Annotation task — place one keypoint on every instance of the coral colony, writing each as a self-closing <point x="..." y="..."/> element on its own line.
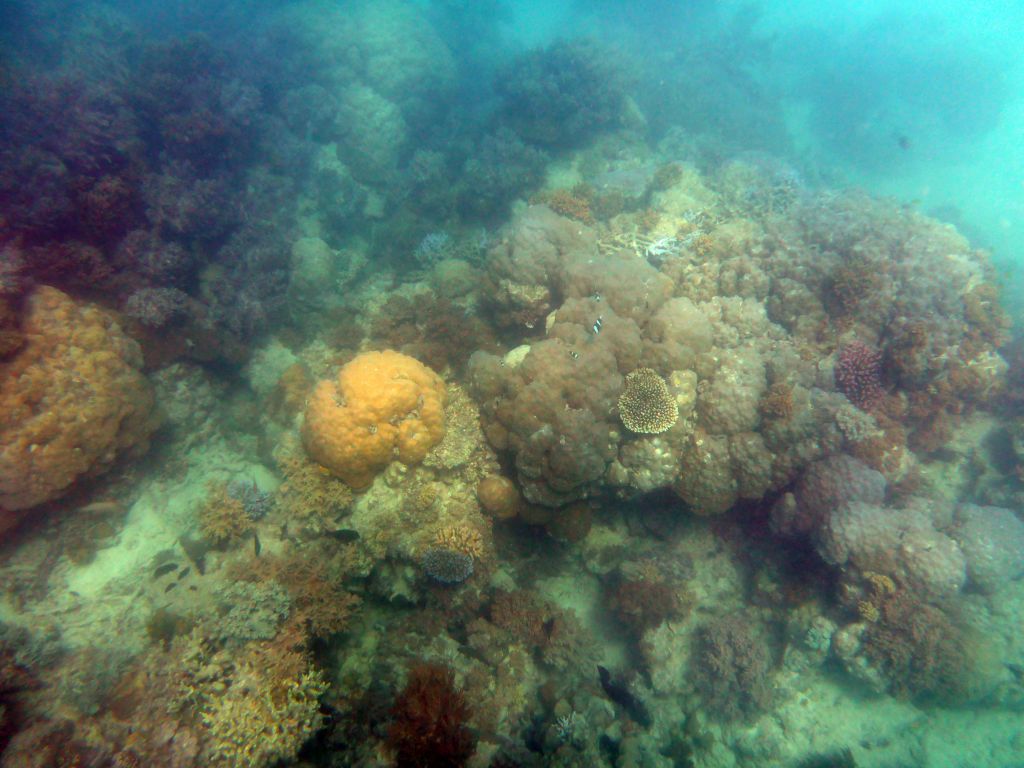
<point x="346" y="423"/>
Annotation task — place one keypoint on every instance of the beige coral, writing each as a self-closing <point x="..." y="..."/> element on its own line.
<point x="645" y="405"/>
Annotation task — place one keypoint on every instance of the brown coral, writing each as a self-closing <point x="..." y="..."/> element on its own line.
<point x="72" y="400"/>
<point x="222" y="517"/>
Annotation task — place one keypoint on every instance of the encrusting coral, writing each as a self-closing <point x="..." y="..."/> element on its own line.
<point x="383" y="406"/>
<point x="72" y="400"/>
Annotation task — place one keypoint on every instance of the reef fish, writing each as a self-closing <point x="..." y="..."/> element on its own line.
<point x="597" y="325"/>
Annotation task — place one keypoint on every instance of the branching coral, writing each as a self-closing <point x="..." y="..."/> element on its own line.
<point x="71" y="400"/>
<point x="383" y="406"/>
<point x="264" y="716"/>
<point x="222" y="517"/>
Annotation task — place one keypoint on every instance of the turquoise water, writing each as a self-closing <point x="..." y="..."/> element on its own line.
<point x="393" y="383"/>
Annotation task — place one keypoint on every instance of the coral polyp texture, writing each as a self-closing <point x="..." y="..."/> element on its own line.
<point x="72" y="400"/>
<point x="646" y="406"/>
<point x="382" y="407"/>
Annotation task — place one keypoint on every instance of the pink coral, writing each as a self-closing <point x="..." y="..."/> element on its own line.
<point x="858" y="374"/>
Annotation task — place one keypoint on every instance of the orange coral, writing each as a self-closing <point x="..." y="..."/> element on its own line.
<point x="71" y="400"/>
<point x="383" y="406"/>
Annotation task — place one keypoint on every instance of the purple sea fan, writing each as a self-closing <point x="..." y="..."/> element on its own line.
<point x="858" y="374"/>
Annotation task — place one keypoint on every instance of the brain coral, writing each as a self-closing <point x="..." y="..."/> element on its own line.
<point x="383" y="406"/>
<point x="71" y="400"/>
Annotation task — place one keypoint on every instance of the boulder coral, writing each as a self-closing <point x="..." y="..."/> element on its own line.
<point x="72" y="400"/>
<point x="383" y="406"/>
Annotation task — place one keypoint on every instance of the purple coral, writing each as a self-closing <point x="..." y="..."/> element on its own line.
<point x="447" y="566"/>
<point x="827" y="484"/>
<point x="992" y="540"/>
<point x="858" y="374"/>
<point x="155" y="307"/>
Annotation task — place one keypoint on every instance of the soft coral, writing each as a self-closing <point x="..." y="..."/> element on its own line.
<point x="428" y="730"/>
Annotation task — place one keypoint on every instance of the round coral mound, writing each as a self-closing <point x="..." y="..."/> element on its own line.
<point x="71" y="400"/>
<point x="383" y="406"/>
<point x="498" y="497"/>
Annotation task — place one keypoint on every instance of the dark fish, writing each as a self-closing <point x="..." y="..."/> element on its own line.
<point x="164" y="569"/>
<point x="620" y="694"/>
<point x="343" y="535"/>
<point x="256" y="546"/>
<point x="170" y="586"/>
<point x="903" y="142"/>
<point x="196" y="550"/>
<point x="184" y="572"/>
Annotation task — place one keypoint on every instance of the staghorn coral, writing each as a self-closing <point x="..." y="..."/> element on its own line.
<point x="72" y="400"/>
<point x="382" y="407"/>
<point x="645" y="405"/>
<point x="270" y="709"/>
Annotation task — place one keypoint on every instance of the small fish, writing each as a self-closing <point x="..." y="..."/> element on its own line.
<point x="256" y="546"/>
<point x="343" y="535"/>
<point x="101" y="508"/>
<point x="574" y="354"/>
<point x="596" y="328"/>
<point x="903" y="142"/>
<point x="164" y="569"/>
<point x="184" y="572"/>
<point x="170" y="586"/>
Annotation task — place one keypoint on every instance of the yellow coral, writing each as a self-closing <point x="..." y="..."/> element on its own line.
<point x="460" y="538"/>
<point x="259" y="722"/>
<point x="72" y="400"/>
<point x="383" y="406"/>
